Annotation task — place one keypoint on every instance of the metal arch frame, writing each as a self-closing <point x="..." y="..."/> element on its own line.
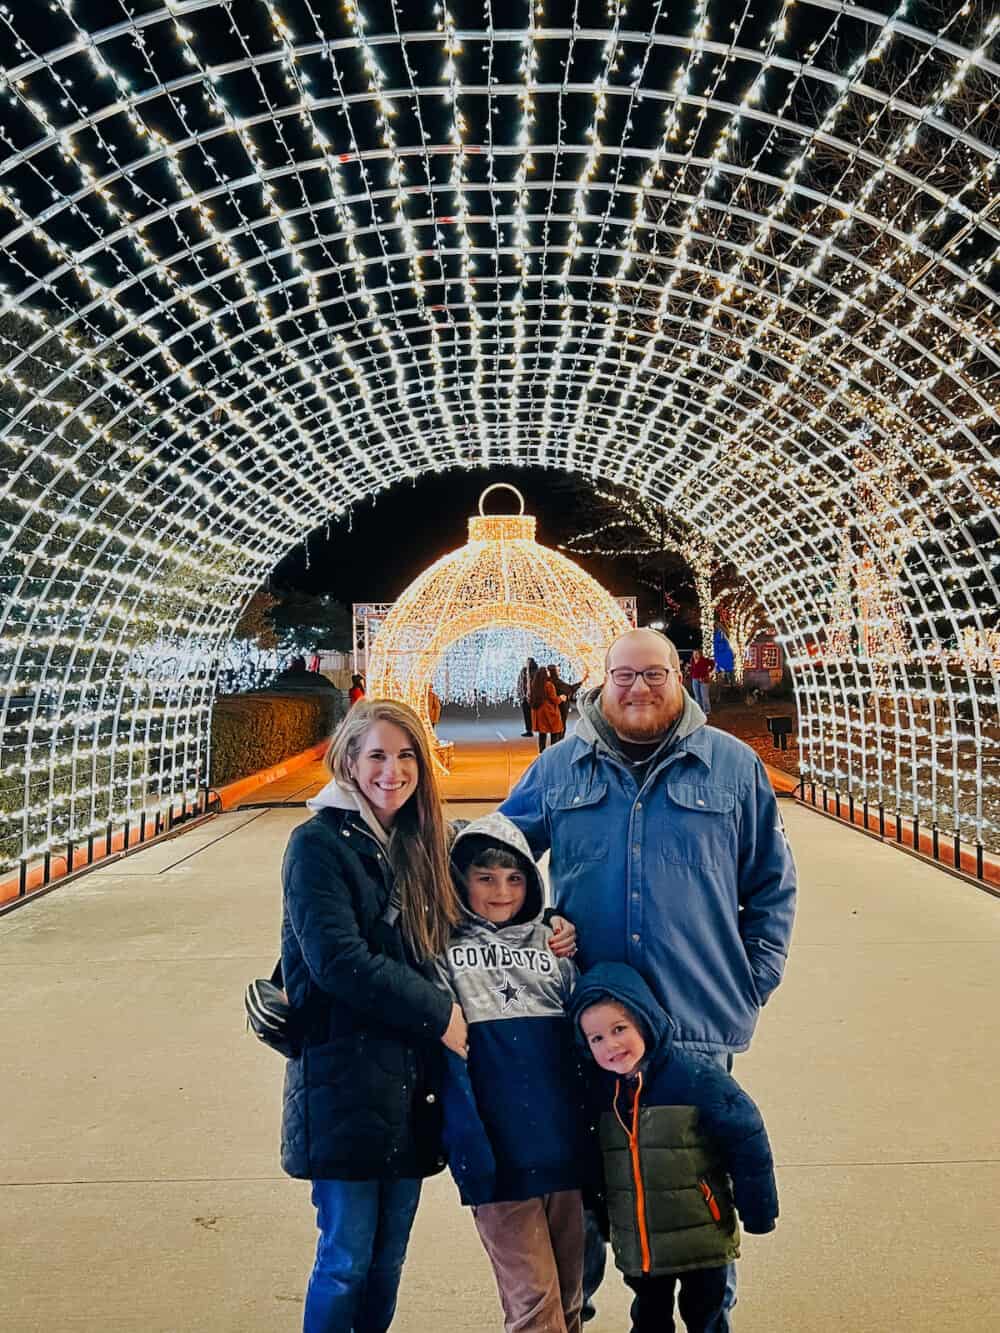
<point x="362" y="637"/>
<point x="804" y="311"/>
<point x="930" y="355"/>
<point x="183" y="8"/>
<point x="558" y="434"/>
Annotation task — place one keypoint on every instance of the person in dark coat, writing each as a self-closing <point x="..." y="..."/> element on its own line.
<point x="524" y="692"/>
<point x="566" y="690"/>
<point x="546" y="718"/>
<point x="701" y="668"/>
<point x="684" y="1149"/>
<point x="368" y="903"/>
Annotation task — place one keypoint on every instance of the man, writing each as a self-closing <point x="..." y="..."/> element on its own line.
<point x="667" y="851"/>
<point x="524" y="693"/>
<point x="701" y="674"/>
<point x="567" y="690"/>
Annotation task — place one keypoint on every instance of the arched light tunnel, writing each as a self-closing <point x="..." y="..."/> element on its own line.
<point x="261" y="261"/>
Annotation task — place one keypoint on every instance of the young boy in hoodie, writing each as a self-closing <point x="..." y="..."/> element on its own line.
<point x="514" y="1123"/>
<point x="684" y="1149"/>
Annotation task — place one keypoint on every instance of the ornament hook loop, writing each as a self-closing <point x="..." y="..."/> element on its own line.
<point x="500" y="486"/>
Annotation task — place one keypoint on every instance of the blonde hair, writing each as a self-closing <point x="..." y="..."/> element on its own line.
<point x="418" y="848"/>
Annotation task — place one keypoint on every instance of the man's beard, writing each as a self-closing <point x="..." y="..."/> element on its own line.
<point x="647" y="725"/>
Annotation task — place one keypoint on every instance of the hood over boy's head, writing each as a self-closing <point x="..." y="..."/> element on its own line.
<point x="619" y="984"/>
<point x="615" y="1037"/>
<point x="496" y="875"/>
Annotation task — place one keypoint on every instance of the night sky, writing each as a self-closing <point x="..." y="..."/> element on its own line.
<point x="384" y="544"/>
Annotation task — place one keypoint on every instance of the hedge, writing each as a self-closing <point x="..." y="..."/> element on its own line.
<point x="254" y="731"/>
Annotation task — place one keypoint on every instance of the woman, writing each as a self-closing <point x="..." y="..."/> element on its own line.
<point x="357" y="691"/>
<point x="567" y="692"/>
<point x="546" y="718"/>
<point x="368" y="902"/>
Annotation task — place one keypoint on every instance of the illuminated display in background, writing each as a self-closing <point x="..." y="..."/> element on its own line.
<point x="260" y="262"/>
<point x="502" y="579"/>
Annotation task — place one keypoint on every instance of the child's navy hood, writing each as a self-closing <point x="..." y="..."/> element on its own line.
<point x="497" y="830"/>
<point x="618" y="981"/>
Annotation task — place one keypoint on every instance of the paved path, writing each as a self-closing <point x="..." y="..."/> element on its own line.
<point x="139" y="1186"/>
<point x="489" y="756"/>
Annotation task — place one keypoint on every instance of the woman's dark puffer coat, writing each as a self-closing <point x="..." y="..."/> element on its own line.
<point x="361" y="1101"/>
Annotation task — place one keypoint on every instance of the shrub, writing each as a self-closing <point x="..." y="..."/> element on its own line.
<point x="254" y="731"/>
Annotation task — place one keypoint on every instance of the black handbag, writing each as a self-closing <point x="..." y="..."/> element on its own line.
<point x="270" y="1017"/>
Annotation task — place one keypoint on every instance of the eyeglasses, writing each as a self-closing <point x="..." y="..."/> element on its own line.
<point x="623" y="677"/>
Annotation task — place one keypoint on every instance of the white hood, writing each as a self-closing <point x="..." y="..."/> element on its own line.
<point x="338" y="796"/>
<point x="334" y="796"/>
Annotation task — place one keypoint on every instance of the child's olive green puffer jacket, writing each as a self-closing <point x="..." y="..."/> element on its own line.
<point x="669" y="1199"/>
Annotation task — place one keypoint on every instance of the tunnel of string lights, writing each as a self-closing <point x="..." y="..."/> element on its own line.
<point x="261" y="260"/>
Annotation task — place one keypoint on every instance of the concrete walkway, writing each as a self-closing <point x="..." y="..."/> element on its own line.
<point x="139" y="1185"/>
<point x="489" y="756"/>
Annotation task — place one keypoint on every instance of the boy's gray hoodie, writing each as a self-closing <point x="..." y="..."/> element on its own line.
<point x="480" y="952"/>
<point x="514" y="1113"/>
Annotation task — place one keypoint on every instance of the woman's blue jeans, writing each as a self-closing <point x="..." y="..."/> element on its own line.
<point x="364" y="1226"/>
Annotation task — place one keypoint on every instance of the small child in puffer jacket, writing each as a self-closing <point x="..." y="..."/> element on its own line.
<point x="515" y="1114"/>
<point x="684" y="1149"/>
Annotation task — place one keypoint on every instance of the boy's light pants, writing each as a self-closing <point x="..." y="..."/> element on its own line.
<point x="536" y="1249"/>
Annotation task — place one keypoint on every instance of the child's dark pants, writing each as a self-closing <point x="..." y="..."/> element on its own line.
<point x="700" y="1300"/>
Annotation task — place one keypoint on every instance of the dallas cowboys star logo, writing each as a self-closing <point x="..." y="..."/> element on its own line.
<point x="510" y="993"/>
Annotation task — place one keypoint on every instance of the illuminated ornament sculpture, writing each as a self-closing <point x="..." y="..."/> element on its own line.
<point x="501" y="577"/>
<point x="483" y="668"/>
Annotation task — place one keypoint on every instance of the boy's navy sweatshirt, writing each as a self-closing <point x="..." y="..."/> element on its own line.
<point x="514" y="1113"/>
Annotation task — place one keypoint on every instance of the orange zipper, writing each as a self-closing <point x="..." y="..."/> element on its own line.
<point x="713" y="1206"/>
<point x="640" y="1193"/>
